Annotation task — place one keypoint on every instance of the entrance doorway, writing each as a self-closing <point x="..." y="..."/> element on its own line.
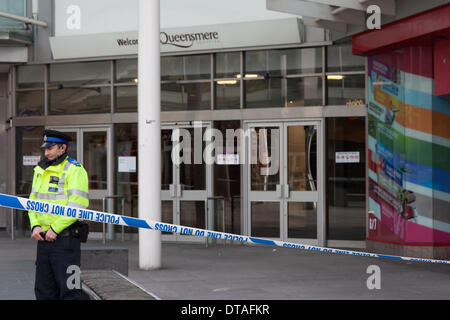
<point x="91" y="146"/>
<point x="185" y="186"/>
<point x="284" y="181"/>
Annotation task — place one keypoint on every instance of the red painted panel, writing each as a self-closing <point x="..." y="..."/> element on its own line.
<point x="441" y="67"/>
<point x="418" y="27"/>
<point x="416" y="60"/>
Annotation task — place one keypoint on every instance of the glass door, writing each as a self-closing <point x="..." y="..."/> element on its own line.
<point x="185" y="181"/>
<point x="284" y="181"/>
<point x="301" y="189"/>
<point x="91" y="147"/>
<point x="264" y="180"/>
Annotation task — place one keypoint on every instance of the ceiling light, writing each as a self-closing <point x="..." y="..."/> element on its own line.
<point x="335" y="77"/>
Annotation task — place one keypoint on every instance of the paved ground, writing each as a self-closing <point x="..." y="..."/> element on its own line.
<point x="240" y="272"/>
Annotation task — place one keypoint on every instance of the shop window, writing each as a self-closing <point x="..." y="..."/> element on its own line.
<point x="126" y="99"/>
<point x="185" y="83"/>
<point x="227" y="81"/>
<point x="31" y="76"/>
<point x="262" y="77"/>
<point x="346" y="89"/>
<point x="304" y="61"/>
<point x="196" y="67"/>
<point x="126" y="71"/>
<point x="185" y="96"/>
<point x="30" y="103"/>
<point x="228" y="65"/>
<point x="340" y="58"/>
<point x="280" y="78"/>
<point x="262" y="63"/>
<point x="304" y="91"/>
<point x="228" y="94"/>
<point x="263" y="93"/>
<point x="80" y="100"/>
<point x="346" y="179"/>
<point x="79" y="74"/>
<point x="77" y="88"/>
<point x="30" y="90"/>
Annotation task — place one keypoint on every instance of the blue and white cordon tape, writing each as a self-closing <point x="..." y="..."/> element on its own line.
<point x="97" y="216"/>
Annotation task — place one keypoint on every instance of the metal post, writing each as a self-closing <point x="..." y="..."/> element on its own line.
<point x="12" y="224"/>
<point x="104" y="228"/>
<point x="149" y="132"/>
<point x="123" y="213"/>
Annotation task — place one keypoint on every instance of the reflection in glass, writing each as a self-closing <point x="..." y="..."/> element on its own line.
<point x="79" y="73"/>
<point x="72" y="147"/>
<point x="166" y="159"/>
<point x="18" y="8"/>
<point x="195" y="67"/>
<point x="340" y="58"/>
<point x="167" y="213"/>
<point x="126" y="99"/>
<point x="94" y="159"/>
<point x="346" y="89"/>
<point x="126" y="182"/>
<point x="187" y="96"/>
<point x="227" y="179"/>
<point x="265" y="158"/>
<point x="126" y="70"/>
<point x="192" y="214"/>
<point x="31" y="76"/>
<point x="228" y="94"/>
<point x="264" y="62"/>
<point x="80" y="100"/>
<point x="263" y="93"/>
<point x="305" y="60"/>
<point x="302" y="220"/>
<point x="28" y="142"/>
<point x="193" y="176"/>
<point x="265" y="219"/>
<point x="228" y="65"/>
<point x="30" y="103"/>
<point x="304" y="91"/>
<point x="302" y="158"/>
<point x="346" y="182"/>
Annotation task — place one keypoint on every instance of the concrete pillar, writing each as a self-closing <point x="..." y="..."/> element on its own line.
<point x="149" y="134"/>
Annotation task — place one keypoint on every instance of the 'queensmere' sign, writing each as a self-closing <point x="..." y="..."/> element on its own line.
<point x="197" y="38"/>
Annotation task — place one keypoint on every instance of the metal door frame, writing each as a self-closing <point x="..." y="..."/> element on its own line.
<point x="301" y="196"/>
<point x="95" y="194"/>
<point x="176" y="194"/>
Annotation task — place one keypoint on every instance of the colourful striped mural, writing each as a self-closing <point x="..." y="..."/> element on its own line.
<point x="409" y="152"/>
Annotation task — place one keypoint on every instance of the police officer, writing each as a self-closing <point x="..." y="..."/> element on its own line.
<point x="62" y="180"/>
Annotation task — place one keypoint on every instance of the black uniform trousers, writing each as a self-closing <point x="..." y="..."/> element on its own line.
<point x="52" y="263"/>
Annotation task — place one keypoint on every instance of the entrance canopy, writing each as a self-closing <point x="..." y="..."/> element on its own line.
<point x="331" y="14"/>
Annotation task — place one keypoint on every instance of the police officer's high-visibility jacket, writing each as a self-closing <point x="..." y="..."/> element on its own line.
<point x="64" y="183"/>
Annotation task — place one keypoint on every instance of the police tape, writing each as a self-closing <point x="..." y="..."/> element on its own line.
<point x="19" y="203"/>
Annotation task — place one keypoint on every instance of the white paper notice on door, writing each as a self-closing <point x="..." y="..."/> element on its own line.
<point x="347" y="157"/>
<point x="227" y="159"/>
<point x="31" y="160"/>
<point x="127" y="164"/>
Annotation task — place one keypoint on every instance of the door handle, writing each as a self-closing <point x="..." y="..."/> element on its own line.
<point x="279" y="191"/>
<point x="172" y="190"/>
<point x="287" y="190"/>
<point x="180" y="188"/>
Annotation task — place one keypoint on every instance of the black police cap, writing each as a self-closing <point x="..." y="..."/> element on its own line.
<point x="52" y="137"/>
